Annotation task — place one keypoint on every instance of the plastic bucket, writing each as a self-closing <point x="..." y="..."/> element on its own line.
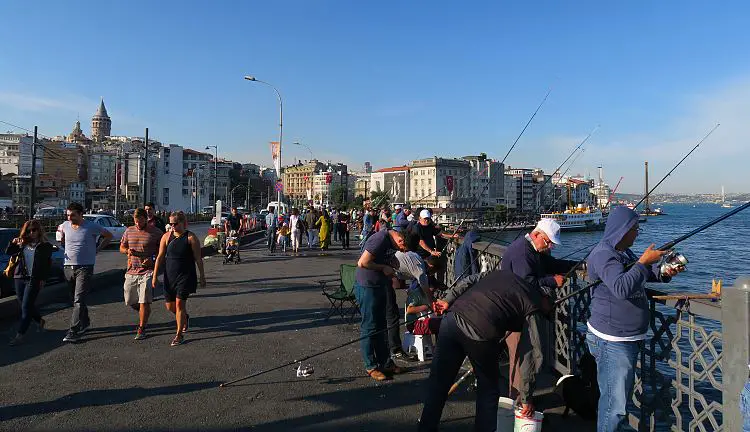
<point x="528" y="424"/>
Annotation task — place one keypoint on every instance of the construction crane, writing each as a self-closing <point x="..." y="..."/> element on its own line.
<point x="612" y="195"/>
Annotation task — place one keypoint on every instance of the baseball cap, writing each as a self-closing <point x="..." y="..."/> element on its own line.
<point x="551" y="228"/>
<point x="398" y="207"/>
<point x="425" y="214"/>
<point x="410" y="217"/>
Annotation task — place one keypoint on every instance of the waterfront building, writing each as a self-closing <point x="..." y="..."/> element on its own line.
<point x="394" y="180"/>
<point x="299" y="180"/>
<point x="15" y="154"/>
<point x="511" y="185"/>
<point x="524" y="188"/>
<point x="430" y="181"/>
<point x="486" y="182"/>
<point x="362" y="184"/>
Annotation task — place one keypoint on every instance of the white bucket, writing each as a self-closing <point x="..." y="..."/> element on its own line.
<point x="528" y="424"/>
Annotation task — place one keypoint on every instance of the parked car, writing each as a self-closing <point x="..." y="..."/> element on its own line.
<point x="49" y="213"/>
<point x="108" y="222"/>
<point x="6" y="285"/>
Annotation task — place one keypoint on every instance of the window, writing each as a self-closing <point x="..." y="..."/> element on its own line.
<point x="165" y="197"/>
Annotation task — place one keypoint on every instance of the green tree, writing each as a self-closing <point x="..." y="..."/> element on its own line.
<point x="359" y="201"/>
<point x="501" y="213"/>
<point x="338" y="196"/>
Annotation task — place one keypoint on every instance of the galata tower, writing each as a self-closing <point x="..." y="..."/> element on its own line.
<point x="101" y="124"/>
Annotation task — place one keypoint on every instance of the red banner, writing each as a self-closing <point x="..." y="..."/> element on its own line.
<point x="449" y="183"/>
<point x="329" y="178"/>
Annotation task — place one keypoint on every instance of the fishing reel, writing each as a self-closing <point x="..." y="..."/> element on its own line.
<point x="672" y="260"/>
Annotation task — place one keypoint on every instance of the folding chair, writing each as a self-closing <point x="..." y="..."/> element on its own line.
<point x="342" y="300"/>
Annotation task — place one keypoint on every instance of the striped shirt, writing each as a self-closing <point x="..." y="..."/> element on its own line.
<point x="147" y="241"/>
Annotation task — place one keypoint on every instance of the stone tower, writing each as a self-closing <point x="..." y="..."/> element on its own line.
<point x="101" y="124"/>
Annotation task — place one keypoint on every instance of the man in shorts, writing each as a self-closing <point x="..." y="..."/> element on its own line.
<point x="140" y="243"/>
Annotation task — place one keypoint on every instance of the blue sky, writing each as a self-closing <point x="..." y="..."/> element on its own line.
<point x="391" y="81"/>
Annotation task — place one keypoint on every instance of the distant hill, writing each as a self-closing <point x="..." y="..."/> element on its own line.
<point x="684" y="198"/>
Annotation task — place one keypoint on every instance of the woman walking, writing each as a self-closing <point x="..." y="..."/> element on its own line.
<point x="324" y="224"/>
<point x="179" y="253"/>
<point x="297" y="225"/>
<point x="34" y="255"/>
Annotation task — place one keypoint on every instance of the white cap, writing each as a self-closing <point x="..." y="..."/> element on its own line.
<point x="398" y="207"/>
<point x="551" y="228"/>
<point x="425" y="214"/>
<point x="410" y="217"/>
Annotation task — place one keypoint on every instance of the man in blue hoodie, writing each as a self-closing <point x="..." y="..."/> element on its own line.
<point x="619" y="312"/>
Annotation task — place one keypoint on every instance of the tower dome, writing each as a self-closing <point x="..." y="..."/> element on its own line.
<point x="101" y="124"/>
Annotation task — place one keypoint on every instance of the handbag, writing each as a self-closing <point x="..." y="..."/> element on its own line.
<point x="10" y="269"/>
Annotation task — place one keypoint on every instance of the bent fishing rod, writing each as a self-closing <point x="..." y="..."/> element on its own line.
<point x="647" y="193"/>
<point x="665" y="247"/>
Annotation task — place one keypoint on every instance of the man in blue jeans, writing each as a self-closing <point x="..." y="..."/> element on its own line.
<point x="620" y="312"/>
<point x="272" y="222"/>
<point x="372" y="278"/>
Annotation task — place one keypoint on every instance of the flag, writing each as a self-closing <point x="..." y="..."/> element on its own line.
<point x="276" y="156"/>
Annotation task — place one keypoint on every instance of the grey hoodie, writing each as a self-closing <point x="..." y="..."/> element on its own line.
<point x="619" y="306"/>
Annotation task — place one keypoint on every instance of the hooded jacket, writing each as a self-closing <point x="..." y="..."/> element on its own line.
<point x="465" y="264"/>
<point x="619" y="306"/>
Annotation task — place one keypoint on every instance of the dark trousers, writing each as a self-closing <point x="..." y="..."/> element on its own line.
<point x="371" y="300"/>
<point x="451" y="349"/>
<point x="26" y="292"/>
<point x="344" y="234"/>
<point x="271" y="239"/>
<point x="392" y="318"/>
<point x="335" y="231"/>
<point x="79" y="280"/>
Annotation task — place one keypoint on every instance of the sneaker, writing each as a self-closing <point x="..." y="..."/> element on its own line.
<point x="72" y="336"/>
<point x="177" y="340"/>
<point x="84" y="329"/>
<point x="17" y="340"/>
<point x="140" y="333"/>
<point x="401" y="355"/>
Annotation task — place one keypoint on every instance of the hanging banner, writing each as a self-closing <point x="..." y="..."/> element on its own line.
<point x="329" y="178"/>
<point x="276" y="156"/>
<point x="449" y="183"/>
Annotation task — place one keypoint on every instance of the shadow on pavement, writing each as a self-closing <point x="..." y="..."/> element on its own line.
<point x="266" y="289"/>
<point x="249" y="323"/>
<point x="91" y="398"/>
<point x="247" y="281"/>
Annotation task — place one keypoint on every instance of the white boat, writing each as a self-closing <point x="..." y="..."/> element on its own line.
<point x="578" y="219"/>
<point x="724" y="202"/>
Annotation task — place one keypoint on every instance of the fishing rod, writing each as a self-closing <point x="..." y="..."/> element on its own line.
<point x="507" y="224"/>
<point x="645" y="196"/>
<point x="666" y="246"/>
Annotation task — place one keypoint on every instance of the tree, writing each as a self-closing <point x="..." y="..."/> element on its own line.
<point x="338" y="195"/>
<point x="359" y="201"/>
<point x="380" y="198"/>
<point x="501" y="213"/>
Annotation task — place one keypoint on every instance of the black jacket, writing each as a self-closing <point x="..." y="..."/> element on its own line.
<point x="42" y="261"/>
<point x="538" y="269"/>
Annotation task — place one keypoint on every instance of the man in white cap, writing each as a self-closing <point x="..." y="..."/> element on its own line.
<point x="426" y="231"/>
<point x="399" y="219"/>
<point x="529" y="257"/>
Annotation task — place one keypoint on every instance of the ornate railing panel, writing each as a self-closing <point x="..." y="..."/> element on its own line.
<point x="679" y="376"/>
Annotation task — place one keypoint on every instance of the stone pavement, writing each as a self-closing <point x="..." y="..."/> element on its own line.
<point x="251" y="316"/>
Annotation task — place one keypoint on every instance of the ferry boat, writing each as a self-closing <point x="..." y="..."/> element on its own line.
<point x="580" y="218"/>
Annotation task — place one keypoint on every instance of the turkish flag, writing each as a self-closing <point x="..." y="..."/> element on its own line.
<point x="329" y="178"/>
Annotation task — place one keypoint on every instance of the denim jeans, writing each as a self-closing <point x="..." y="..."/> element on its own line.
<point x="26" y="292"/>
<point x="393" y="315"/>
<point x="451" y="349"/>
<point x="312" y="237"/>
<point x="271" y="239"/>
<point x="745" y="407"/>
<point x="79" y="280"/>
<point x="371" y="300"/>
<point x="615" y="363"/>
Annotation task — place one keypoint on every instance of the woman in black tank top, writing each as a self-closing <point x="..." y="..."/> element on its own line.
<point x="179" y="252"/>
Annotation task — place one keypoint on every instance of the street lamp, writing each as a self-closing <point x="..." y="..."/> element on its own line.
<point x="305" y="146"/>
<point x="216" y="171"/>
<point x="281" y="127"/>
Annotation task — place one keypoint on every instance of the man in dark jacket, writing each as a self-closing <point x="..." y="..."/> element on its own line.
<point x="620" y="312"/>
<point x="465" y="263"/>
<point x="473" y="326"/>
<point x="529" y="258"/>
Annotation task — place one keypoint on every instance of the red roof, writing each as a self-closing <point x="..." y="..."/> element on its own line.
<point x="394" y="169"/>
<point x="576" y="181"/>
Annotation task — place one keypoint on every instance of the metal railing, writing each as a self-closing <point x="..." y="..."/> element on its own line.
<point x="680" y="374"/>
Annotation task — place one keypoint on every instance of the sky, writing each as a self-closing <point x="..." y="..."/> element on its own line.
<point x="392" y="81"/>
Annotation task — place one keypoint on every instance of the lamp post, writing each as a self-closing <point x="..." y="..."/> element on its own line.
<point x="305" y="146"/>
<point x="281" y="127"/>
<point x="216" y="171"/>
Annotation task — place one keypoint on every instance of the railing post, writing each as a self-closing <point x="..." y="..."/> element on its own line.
<point x="735" y="323"/>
